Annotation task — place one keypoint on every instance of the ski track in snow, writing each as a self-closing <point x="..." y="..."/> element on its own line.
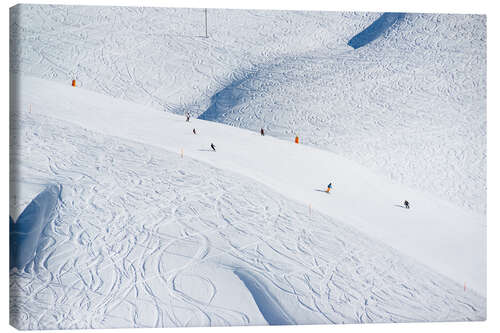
<point x="410" y="105"/>
<point x="414" y="110"/>
<point x="162" y="248"/>
<point x="64" y="43"/>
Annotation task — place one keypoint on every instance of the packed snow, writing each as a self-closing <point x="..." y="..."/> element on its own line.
<point x="153" y="228"/>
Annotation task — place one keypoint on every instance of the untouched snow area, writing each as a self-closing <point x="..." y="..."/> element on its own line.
<point x="410" y="105"/>
<point x="152" y="228"/>
<point x="144" y="237"/>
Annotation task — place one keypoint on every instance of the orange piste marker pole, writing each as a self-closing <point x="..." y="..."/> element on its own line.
<point x="73" y="83"/>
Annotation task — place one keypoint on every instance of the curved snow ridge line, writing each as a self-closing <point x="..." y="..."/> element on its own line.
<point x="269" y="307"/>
<point x="235" y="90"/>
<point x="375" y="30"/>
<point x="26" y="231"/>
<point x="225" y="98"/>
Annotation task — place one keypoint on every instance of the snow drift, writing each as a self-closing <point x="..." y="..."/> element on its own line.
<point x="26" y="232"/>
<point x="375" y="30"/>
<point x="268" y="305"/>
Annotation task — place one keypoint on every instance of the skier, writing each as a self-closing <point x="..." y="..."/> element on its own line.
<point x="188" y="116"/>
<point x="296" y="139"/>
<point x="213" y="146"/>
<point x="194" y="131"/>
<point x="329" y="188"/>
<point x="407" y="204"/>
<point x="262" y="131"/>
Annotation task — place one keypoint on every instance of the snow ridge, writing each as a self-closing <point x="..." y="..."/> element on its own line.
<point x="268" y="305"/>
<point x="26" y="232"/>
<point x="226" y="98"/>
<point x="375" y="30"/>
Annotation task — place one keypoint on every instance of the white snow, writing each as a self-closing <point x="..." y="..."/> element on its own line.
<point x="147" y="238"/>
<point x="410" y="106"/>
<point x="449" y="239"/>
<point x="155" y="229"/>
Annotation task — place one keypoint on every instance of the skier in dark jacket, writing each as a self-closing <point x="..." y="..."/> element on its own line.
<point x="188" y="116"/>
<point x="407" y="204"/>
<point x="194" y="130"/>
<point x="213" y="146"/>
<point x="262" y="131"/>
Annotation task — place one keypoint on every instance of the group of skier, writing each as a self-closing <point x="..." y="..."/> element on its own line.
<point x="329" y="186"/>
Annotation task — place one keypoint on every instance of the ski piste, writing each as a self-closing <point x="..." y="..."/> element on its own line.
<point x="146" y="237"/>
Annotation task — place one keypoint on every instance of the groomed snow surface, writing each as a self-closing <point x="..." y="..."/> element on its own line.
<point x="152" y="228"/>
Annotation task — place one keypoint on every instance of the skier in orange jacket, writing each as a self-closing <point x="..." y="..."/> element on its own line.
<point x="296" y="139"/>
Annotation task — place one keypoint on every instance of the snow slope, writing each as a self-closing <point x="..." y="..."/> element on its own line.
<point x="410" y="105"/>
<point x="154" y="229"/>
<point x="449" y="239"/>
<point x="145" y="54"/>
<point x="146" y="238"/>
